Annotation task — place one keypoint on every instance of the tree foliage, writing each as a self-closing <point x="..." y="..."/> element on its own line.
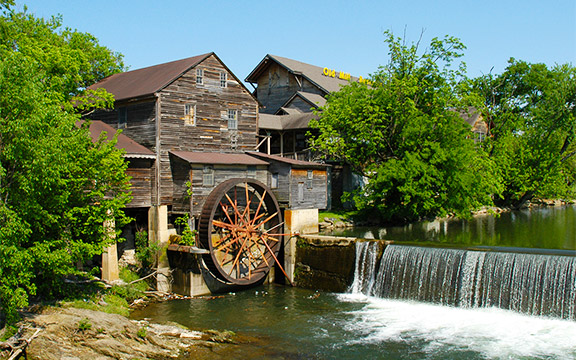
<point x="531" y="109"/>
<point x="57" y="187"/>
<point x="404" y="132"/>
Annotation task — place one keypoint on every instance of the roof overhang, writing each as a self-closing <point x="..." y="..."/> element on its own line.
<point x="292" y="162"/>
<point x="209" y="158"/>
<point x="132" y="148"/>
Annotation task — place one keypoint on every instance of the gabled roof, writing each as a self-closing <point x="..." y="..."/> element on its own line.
<point x="314" y="100"/>
<point x="474" y="118"/>
<point x="146" y="81"/>
<point x="132" y="148"/>
<point x="314" y="74"/>
<point x="217" y="158"/>
<point x="285" y="122"/>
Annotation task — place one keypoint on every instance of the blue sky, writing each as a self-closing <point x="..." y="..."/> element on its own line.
<point x="342" y="35"/>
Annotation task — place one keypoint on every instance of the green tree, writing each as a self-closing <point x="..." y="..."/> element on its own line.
<point x="531" y="109"/>
<point x="405" y="134"/>
<point x="57" y="187"/>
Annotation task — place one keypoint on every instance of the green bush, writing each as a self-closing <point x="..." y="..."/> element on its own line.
<point x="146" y="252"/>
<point x="188" y="236"/>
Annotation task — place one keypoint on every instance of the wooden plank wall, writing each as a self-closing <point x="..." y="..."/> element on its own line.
<point x="276" y="86"/>
<point x="141" y="125"/>
<point x="282" y="192"/>
<point x="180" y="176"/>
<point x="211" y="132"/>
<point x="142" y="173"/>
<point x="221" y="174"/>
<point x="315" y="198"/>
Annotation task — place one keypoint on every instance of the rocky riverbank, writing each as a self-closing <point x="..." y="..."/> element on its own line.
<point x="75" y="334"/>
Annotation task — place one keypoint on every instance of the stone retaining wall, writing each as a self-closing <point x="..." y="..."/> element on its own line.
<point x="325" y="262"/>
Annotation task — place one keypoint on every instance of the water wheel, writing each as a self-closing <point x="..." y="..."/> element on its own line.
<point x="241" y="226"/>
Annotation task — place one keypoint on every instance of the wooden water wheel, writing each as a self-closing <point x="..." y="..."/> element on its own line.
<point x="241" y="226"/>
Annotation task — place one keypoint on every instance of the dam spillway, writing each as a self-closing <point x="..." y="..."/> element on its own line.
<point x="535" y="284"/>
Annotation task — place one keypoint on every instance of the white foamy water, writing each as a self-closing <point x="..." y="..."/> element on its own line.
<point x="492" y="332"/>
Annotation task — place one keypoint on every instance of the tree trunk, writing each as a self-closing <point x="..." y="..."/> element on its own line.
<point x="528" y="195"/>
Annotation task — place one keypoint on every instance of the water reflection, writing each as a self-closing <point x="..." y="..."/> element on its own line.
<point x="545" y="228"/>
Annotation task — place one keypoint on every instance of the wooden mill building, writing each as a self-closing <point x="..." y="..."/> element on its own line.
<point x="289" y="92"/>
<point x="196" y="126"/>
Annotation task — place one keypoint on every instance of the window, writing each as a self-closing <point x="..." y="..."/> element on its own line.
<point x="274" y="181"/>
<point x="479" y="137"/>
<point x="300" y="191"/>
<point x="208" y="175"/>
<point x="232" y="119"/>
<point x="251" y="172"/>
<point x="190" y="114"/>
<point x="223" y="79"/>
<point x="199" y="76"/>
<point x="310" y="179"/>
<point x="122" y="117"/>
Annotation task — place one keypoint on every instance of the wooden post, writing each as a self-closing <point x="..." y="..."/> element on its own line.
<point x="158" y="226"/>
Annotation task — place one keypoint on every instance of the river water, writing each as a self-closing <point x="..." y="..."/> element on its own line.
<point x="544" y="228"/>
<point x="288" y="323"/>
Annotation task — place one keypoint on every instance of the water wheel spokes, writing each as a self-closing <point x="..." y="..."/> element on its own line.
<point x="241" y="226"/>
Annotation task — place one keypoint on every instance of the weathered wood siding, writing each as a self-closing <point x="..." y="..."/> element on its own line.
<point x="140" y="124"/>
<point x="211" y="133"/>
<point x="142" y="173"/>
<point x="287" y="192"/>
<point x="180" y="177"/>
<point x="277" y="85"/>
<point x="303" y="197"/>
<point x="221" y="174"/>
<point x="282" y="192"/>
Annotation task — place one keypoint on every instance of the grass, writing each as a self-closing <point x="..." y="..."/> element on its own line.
<point x="84" y="325"/>
<point x="338" y="215"/>
<point x="115" y="300"/>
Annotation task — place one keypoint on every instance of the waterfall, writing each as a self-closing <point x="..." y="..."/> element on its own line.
<point x="529" y="283"/>
<point x="367" y="253"/>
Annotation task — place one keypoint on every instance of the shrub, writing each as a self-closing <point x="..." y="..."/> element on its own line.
<point x="188" y="236"/>
<point x="146" y="252"/>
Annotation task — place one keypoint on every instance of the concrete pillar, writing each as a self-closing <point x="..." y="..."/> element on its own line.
<point x="189" y="283"/>
<point x="302" y="221"/>
<point x="110" y="270"/>
<point x="159" y="233"/>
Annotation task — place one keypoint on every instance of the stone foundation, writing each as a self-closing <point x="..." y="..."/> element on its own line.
<point x="325" y="262"/>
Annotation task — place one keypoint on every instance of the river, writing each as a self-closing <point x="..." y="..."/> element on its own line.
<point x="542" y="228"/>
<point x="291" y="323"/>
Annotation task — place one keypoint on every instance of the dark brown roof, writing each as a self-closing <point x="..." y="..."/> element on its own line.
<point x="314" y="74"/>
<point x="132" y="148"/>
<point x="217" y="158"/>
<point x="293" y="162"/>
<point x="147" y="81"/>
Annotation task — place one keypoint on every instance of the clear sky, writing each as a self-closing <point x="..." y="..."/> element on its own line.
<point x="343" y="35"/>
